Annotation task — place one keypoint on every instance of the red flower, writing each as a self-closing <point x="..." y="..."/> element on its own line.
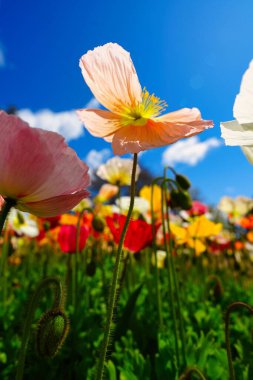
<point x="51" y="222"/>
<point x="138" y="236"/>
<point x="67" y="238"/>
<point x="197" y="209"/>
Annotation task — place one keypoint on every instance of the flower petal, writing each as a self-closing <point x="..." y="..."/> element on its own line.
<point x="37" y="165"/>
<point x="53" y="206"/>
<point x="236" y="134"/>
<point x="184" y="115"/>
<point x="243" y="107"/>
<point x="133" y="139"/>
<point x="248" y="151"/>
<point x="23" y="169"/>
<point x="100" y="123"/>
<point x="109" y="72"/>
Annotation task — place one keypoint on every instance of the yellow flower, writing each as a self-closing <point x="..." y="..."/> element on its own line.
<point x="145" y="193"/>
<point x="194" y="235"/>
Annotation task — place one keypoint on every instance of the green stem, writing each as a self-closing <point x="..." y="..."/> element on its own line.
<point x="73" y="278"/>
<point x="9" y="203"/>
<point x="187" y="374"/>
<point x="154" y="248"/>
<point x="59" y="298"/>
<point x="171" y="300"/>
<point x="115" y="278"/>
<point x="233" y="306"/>
<point x="175" y="280"/>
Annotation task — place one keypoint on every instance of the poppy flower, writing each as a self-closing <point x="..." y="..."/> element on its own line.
<point x="23" y="223"/>
<point x="197" y="209"/>
<point x="106" y="192"/>
<point x="195" y="234"/>
<point x="67" y="238"/>
<point x="39" y="172"/>
<point x="240" y="131"/>
<point x="117" y="171"/>
<point x="138" y="236"/>
<point x="132" y="123"/>
<point x="145" y="193"/>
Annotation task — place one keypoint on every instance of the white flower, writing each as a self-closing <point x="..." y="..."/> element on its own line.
<point x="117" y="171"/>
<point x="161" y="256"/>
<point x="23" y="223"/>
<point x="237" y="207"/>
<point x="240" y="131"/>
<point x="141" y="205"/>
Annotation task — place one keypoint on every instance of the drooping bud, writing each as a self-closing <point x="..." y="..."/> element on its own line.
<point x="52" y="330"/>
<point x="183" y="181"/>
<point x="180" y="199"/>
<point x="215" y="288"/>
<point x="98" y="224"/>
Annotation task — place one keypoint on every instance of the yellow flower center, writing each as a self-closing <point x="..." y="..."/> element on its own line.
<point x="151" y="106"/>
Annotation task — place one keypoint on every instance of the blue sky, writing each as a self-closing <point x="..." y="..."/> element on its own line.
<point x="189" y="53"/>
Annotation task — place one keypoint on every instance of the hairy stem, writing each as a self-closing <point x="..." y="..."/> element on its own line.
<point x="157" y="280"/>
<point x="115" y="281"/>
<point x="171" y="300"/>
<point x="189" y="371"/>
<point x="233" y="306"/>
<point x="59" y="298"/>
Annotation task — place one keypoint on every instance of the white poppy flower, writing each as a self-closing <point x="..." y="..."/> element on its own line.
<point x="118" y="171"/>
<point x="239" y="132"/>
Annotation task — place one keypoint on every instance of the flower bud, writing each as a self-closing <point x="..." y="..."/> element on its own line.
<point x="183" y="181"/>
<point x="98" y="224"/>
<point x="180" y="199"/>
<point x="52" y="331"/>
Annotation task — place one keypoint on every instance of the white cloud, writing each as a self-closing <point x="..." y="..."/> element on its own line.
<point x="96" y="157"/>
<point x="66" y="123"/>
<point x="93" y="103"/>
<point x="189" y="151"/>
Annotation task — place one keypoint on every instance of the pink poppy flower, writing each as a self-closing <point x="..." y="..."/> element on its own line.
<point x="197" y="209"/>
<point x="39" y="172"/>
<point x="132" y="123"/>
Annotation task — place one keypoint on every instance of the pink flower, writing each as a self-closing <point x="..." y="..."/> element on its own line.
<point x="132" y="123"/>
<point x="38" y="170"/>
<point x="197" y="209"/>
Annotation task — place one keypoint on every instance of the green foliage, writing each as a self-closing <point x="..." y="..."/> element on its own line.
<point x="140" y="350"/>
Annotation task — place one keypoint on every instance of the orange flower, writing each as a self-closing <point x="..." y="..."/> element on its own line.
<point x="250" y="236"/>
<point x="247" y="222"/>
<point x="239" y="245"/>
<point x="132" y="123"/>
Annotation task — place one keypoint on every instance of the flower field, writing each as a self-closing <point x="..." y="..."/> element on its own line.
<point x="115" y="274"/>
<point x="212" y="255"/>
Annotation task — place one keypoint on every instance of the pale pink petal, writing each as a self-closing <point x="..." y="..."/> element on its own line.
<point x="182" y="115"/>
<point x="37" y="166"/>
<point x="109" y="72"/>
<point x="134" y="139"/>
<point x="53" y="206"/>
<point x="100" y="123"/>
<point x="69" y="175"/>
<point x="23" y="164"/>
